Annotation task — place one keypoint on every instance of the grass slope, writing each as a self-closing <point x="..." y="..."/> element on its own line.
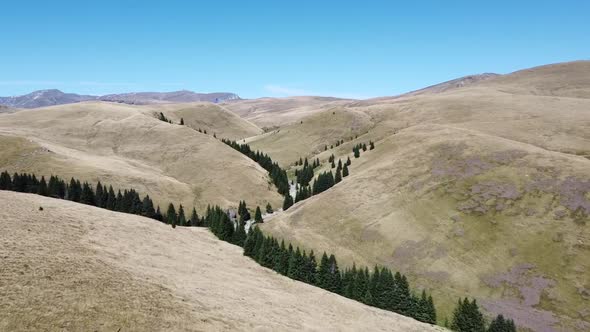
<point x="123" y="146"/>
<point x="73" y="267"/>
<point x="474" y="191"/>
<point x="209" y="117"/>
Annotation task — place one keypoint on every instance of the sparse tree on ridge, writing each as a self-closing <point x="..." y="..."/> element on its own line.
<point x="258" y="215"/>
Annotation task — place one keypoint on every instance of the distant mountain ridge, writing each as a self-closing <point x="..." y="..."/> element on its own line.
<point x="50" y="97"/>
<point x="452" y="84"/>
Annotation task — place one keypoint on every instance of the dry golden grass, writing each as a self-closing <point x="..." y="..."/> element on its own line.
<point x="73" y="267"/>
<point x="210" y="117"/>
<point x="123" y="146"/>
<point x="462" y="187"/>
<point x="270" y="112"/>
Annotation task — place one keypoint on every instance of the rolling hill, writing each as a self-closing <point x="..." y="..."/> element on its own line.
<point x="482" y="190"/>
<point x="210" y="117"/>
<point x="74" y="267"/>
<point x="127" y="147"/>
<point x="271" y="112"/>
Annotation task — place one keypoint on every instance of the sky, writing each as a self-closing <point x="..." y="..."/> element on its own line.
<point x="351" y="49"/>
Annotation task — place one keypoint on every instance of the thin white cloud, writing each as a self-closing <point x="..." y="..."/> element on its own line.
<point x="25" y="82"/>
<point x="284" y="91"/>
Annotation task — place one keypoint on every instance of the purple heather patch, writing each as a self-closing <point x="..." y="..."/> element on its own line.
<point x="530" y="289"/>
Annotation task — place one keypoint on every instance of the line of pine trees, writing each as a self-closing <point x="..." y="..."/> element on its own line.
<point x="126" y="201"/>
<point x="277" y="174"/>
<point x="380" y="288"/>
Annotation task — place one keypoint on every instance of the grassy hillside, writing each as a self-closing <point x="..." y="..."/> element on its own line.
<point x="210" y="117"/>
<point x="271" y="112"/>
<point x="473" y="191"/>
<point x="74" y="267"/>
<point x="123" y="146"/>
<point x="310" y="136"/>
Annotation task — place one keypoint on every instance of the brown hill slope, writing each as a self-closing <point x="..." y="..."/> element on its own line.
<point x="210" y="117"/>
<point x="473" y="191"/>
<point x="271" y="112"/>
<point x="73" y="267"/>
<point x="123" y="146"/>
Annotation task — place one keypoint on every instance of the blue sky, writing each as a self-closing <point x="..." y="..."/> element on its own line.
<point x="356" y="49"/>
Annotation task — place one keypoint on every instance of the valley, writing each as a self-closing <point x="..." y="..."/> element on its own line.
<point x="478" y="187"/>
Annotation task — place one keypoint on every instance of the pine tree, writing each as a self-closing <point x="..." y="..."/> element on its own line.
<point x="364" y="146"/>
<point x="258" y="215"/>
<point x="345" y="171"/>
<point x="311" y="270"/>
<point x="111" y="199"/>
<point x="356" y="151"/>
<point x="371" y="145"/>
<point x="171" y="215"/>
<point x="288" y="202"/>
<point x="87" y="195"/>
<point x="338" y="176"/>
<point x="181" y="121"/>
<point x="5" y="181"/>
<point x="181" y="217"/>
<point x="194" y="219"/>
<point x="42" y="187"/>
<point x="368" y="298"/>
<point x="499" y="324"/>
<point x="467" y="317"/>
<point x="269" y="208"/>
<point x="348" y="162"/>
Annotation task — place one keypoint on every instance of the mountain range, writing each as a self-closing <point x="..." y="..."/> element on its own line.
<point x="51" y="97"/>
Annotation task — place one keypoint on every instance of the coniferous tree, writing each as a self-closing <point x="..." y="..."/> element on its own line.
<point x="364" y="146"/>
<point x="467" y="317"/>
<point x="288" y="202"/>
<point x="194" y="219"/>
<point x="371" y="145"/>
<point x="311" y="269"/>
<point x="323" y="274"/>
<point x="258" y="215"/>
<point x="74" y="191"/>
<point x="181" y="219"/>
<point x="43" y="187"/>
<point x="111" y="199"/>
<point x="345" y="171"/>
<point x="269" y="208"/>
<point x="87" y="195"/>
<point x="100" y="195"/>
<point x="295" y="265"/>
<point x="181" y="121"/>
<point x="5" y="181"/>
<point x="147" y="207"/>
<point x="158" y="216"/>
<point x="356" y="152"/>
<point x="348" y="162"/>
<point x="335" y="284"/>
<point x="171" y="216"/>
<point x="338" y="176"/>
<point x="500" y="324"/>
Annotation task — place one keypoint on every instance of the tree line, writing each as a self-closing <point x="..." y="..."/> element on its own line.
<point x="379" y="288"/>
<point x="277" y="174"/>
